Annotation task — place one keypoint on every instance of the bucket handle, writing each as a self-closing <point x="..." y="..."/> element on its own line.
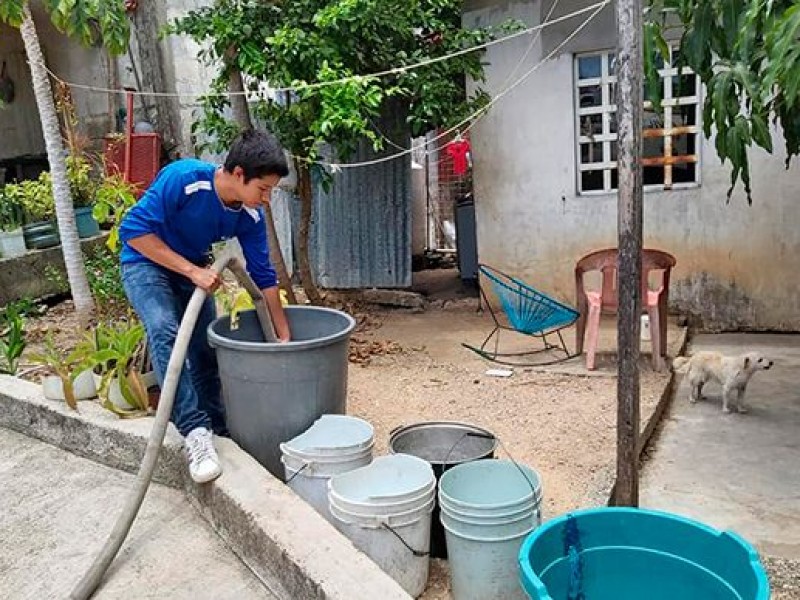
<point x="416" y="553"/>
<point x="296" y="473"/>
<point x="489" y="436"/>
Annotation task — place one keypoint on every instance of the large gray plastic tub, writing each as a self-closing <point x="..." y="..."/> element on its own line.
<point x="274" y="392"/>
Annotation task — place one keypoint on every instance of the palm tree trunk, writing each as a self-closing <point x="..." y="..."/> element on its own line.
<point x="241" y="115"/>
<point x="306" y="204"/>
<point x="65" y="212"/>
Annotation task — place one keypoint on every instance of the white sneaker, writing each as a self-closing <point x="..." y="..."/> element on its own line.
<point x="203" y="460"/>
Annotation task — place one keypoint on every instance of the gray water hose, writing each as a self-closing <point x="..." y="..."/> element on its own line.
<point x="91" y="580"/>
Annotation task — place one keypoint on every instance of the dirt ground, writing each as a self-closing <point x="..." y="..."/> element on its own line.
<point x="559" y="420"/>
<point x="411" y="367"/>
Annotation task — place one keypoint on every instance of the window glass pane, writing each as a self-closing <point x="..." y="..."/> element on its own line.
<point x="684" y="85"/>
<point x="653" y="175"/>
<point x="684" y="116"/>
<point x="653" y="147"/>
<point x="612" y="63"/>
<point x="591" y="153"/>
<point x="612" y="123"/>
<point x="589" y="66"/>
<point x="685" y="173"/>
<point x="590" y="95"/>
<point x="652" y="120"/>
<point x="683" y="145"/>
<point x="613" y="151"/>
<point x="591" y="180"/>
<point x="614" y="179"/>
<point x="612" y="93"/>
<point x="591" y="125"/>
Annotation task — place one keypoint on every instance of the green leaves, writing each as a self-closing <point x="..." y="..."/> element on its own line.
<point x="12" y="339"/>
<point x="11" y="12"/>
<point x="747" y="53"/>
<point x="89" y="21"/>
<point x="294" y="42"/>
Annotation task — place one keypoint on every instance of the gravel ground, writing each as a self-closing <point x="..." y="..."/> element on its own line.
<point x="784" y="577"/>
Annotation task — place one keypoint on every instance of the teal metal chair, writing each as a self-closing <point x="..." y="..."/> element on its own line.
<point x="526" y="311"/>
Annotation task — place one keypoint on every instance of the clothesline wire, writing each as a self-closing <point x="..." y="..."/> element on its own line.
<point x="470" y="121"/>
<point x="508" y="78"/>
<point x="319" y="84"/>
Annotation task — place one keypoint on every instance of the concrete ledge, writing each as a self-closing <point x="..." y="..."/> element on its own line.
<point x="292" y="549"/>
<point x="93" y="432"/>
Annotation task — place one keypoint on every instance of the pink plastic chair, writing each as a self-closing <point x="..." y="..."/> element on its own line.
<point x="592" y="304"/>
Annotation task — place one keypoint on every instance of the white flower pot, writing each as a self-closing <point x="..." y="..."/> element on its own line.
<point x="115" y="393"/>
<point x="12" y="243"/>
<point x="83" y="387"/>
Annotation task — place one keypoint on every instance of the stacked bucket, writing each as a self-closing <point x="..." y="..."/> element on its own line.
<point x="488" y="507"/>
<point x="334" y="444"/>
<point x="385" y="509"/>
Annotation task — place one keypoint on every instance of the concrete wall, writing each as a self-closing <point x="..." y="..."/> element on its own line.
<point x="20" y="128"/>
<point x="184" y="73"/>
<point x="735" y="262"/>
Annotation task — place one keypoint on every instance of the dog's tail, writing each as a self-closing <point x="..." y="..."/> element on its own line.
<point x="680" y="363"/>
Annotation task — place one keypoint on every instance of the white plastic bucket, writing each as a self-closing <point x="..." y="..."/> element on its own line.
<point x="331" y="436"/>
<point x="329" y="465"/>
<point x="385" y="510"/>
<point x="334" y="444"/>
<point x="389" y="479"/>
<point x="380" y="505"/>
<point x="487" y="509"/>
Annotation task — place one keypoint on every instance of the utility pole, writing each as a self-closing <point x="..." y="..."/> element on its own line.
<point x="629" y="228"/>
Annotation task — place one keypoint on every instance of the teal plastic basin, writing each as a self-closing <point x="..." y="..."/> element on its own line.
<point x="629" y="553"/>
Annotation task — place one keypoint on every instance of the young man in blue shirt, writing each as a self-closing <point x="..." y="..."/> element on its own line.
<point x="166" y="240"/>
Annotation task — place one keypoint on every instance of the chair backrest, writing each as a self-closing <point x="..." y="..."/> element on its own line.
<point x="606" y="261"/>
<point x="527" y="309"/>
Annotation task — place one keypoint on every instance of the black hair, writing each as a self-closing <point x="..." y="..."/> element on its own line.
<point x="258" y="153"/>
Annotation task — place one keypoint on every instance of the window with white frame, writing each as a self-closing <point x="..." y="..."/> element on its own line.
<point x="670" y="138"/>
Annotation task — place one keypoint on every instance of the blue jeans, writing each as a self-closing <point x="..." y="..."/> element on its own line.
<point x="160" y="296"/>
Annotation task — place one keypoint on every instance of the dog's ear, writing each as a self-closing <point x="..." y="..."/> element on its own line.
<point x="746" y="362"/>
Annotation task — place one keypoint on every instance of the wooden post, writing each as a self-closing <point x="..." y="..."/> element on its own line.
<point x="629" y="226"/>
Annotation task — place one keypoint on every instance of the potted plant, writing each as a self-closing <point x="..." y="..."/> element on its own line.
<point x="119" y="356"/>
<point x="12" y="241"/>
<point x="83" y="188"/>
<point x="71" y="376"/>
<point x="35" y="197"/>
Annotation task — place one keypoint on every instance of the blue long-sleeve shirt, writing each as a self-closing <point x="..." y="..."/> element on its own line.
<point x="182" y="208"/>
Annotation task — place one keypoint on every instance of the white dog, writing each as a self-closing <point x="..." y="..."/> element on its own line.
<point x="732" y="372"/>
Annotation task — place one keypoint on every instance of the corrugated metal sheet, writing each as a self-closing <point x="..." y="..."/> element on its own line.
<point x="360" y="235"/>
<point x="362" y="227"/>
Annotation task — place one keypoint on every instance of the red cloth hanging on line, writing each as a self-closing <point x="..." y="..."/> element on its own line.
<point x="458" y="150"/>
